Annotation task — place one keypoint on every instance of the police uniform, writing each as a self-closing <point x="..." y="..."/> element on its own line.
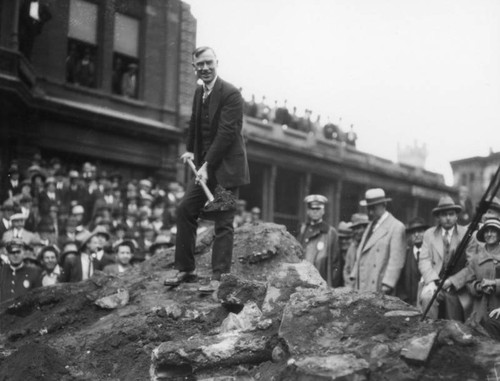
<point x="18" y="281"/>
<point x="320" y="243"/>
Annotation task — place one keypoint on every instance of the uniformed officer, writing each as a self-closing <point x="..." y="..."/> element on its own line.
<point x="320" y="241"/>
<point x="16" y="278"/>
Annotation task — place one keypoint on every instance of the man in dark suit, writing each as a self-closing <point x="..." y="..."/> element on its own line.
<point x="215" y="143"/>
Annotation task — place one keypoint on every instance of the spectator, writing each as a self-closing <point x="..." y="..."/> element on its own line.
<point x="359" y="221"/>
<point x="240" y="215"/>
<point x="255" y="215"/>
<point x="49" y="258"/>
<point x="439" y="244"/>
<point x="6" y="211"/>
<point x="124" y="253"/>
<point x="130" y="81"/>
<point x="407" y="289"/>
<point x="26" y="205"/>
<point x="13" y="183"/>
<point x="16" y="278"/>
<point x="380" y="256"/>
<point x="17" y="230"/>
<point x="345" y="237"/>
<point x="49" y="197"/>
<point x="320" y="241"/>
<point x="85" y="70"/>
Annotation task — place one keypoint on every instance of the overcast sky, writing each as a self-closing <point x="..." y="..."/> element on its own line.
<point x="399" y="70"/>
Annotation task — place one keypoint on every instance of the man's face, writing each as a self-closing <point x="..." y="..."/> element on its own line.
<point x="123" y="255"/>
<point x="16" y="257"/>
<point x="375" y="211"/>
<point x="18" y="224"/>
<point x="49" y="260"/>
<point x="417" y="237"/>
<point x="93" y="244"/>
<point x="447" y="219"/>
<point x="315" y="213"/>
<point x="344" y="243"/>
<point x="357" y="232"/>
<point x="205" y="66"/>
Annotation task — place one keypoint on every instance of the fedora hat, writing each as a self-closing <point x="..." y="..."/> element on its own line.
<point x="344" y="229"/>
<point x="374" y="196"/>
<point x="416" y="224"/>
<point x="359" y="219"/>
<point x="446" y="203"/>
<point x="489" y="223"/>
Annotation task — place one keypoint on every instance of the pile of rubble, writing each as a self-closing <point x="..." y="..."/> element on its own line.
<point x="273" y="318"/>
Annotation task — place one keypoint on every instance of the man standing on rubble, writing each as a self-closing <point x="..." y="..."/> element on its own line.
<point x="215" y="144"/>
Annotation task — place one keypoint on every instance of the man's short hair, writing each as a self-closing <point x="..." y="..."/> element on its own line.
<point x="200" y="50"/>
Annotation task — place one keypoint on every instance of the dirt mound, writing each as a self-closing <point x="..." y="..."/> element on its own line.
<point x="35" y="362"/>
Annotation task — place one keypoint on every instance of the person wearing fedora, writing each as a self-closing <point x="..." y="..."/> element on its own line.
<point x="124" y="252"/>
<point x="439" y="245"/>
<point x="81" y="266"/>
<point x="359" y="222"/>
<point x="16" y="278"/>
<point x="381" y="252"/>
<point x="17" y="230"/>
<point x="320" y="241"/>
<point x="483" y="281"/>
<point x="408" y="284"/>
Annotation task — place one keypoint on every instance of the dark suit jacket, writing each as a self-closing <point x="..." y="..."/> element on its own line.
<point x="226" y="157"/>
<point x="72" y="268"/>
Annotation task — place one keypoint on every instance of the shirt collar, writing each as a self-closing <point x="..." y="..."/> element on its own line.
<point x="444" y="231"/>
<point x="210" y="86"/>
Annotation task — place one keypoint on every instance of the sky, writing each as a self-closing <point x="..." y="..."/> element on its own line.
<point x="400" y="71"/>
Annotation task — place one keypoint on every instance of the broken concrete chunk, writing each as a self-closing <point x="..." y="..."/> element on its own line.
<point x="346" y="367"/>
<point x="246" y="320"/>
<point x="110" y="302"/>
<point x="402" y="313"/>
<point x="418" y="349"/>
<point x="235" y="290"/>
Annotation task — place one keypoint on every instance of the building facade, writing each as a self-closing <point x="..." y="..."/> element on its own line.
<point x="475" y="173"/>
<point x="111" y="82"/>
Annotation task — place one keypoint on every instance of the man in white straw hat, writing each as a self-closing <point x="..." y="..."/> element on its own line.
<point x="381" y="252"/>
<point x="438" y="247"/>
<point x="17" y="230"/>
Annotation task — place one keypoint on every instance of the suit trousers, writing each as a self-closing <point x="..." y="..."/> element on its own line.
<point x="446" y="306"/>
<point x="188" y="212"/>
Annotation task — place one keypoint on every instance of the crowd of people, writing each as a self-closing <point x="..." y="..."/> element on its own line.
<point x="376" y="252"/>
<point x="282" y="116"/>
<point x="59" y="225"/>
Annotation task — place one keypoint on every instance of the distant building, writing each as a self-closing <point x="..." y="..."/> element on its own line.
<point x="475" y="173"/>
<point x="414" y="156"/>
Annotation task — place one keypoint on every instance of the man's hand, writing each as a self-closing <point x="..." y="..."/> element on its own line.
<point x="447" y="284"/>
<point x="488" y="286"/>
<point x="386" y="289"/>
<point x="495" y="314"/>
<point x="202" y="174"/>
<point x="187" y="155"/>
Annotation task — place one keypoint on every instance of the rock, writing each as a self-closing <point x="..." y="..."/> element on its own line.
<point x="288" y="278"/>
<point x="455" y="333"/>
<point x="264" y="324"/>
<point x="403" y="313"/>
<point x="174" y="311"/>
<point x="118" y="300"/>
<point x="201" y="352"/>
<point x="418" y="349"/>
<point x="246" y="320"/>
<point x="329" y="368"/>
<point x="234" y="290"/>
<point x="278" y="354"/>
<point x="378" y="352"/>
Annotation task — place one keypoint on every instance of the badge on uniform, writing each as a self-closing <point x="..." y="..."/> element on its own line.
<point x="26" y="283"/>
<point x="320" y="245"/>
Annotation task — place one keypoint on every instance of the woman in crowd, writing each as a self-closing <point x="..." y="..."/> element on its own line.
<point x="484" y="278"/>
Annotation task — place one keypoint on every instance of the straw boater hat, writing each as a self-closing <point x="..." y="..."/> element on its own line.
<point x="315" y="200"/>
<point x="359" y="219"/>
<point x="17" y="216"/>
<point x="490" y="223"/>
<point x="417" y="224"/>
<point x="446" y="203"/>
<point x="374" y="196"/>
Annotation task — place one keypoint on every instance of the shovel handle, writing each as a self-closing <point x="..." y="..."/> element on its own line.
<point x="209" y="194"/>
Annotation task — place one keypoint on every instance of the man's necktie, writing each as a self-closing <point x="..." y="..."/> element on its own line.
<point x="205" y="94"/>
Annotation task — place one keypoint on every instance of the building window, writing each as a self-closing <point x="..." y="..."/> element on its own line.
<point x="82" y="44"/>
<point x="125" y="80"/>
<point x="464" y="179"/>
<point x="471" y="178"/>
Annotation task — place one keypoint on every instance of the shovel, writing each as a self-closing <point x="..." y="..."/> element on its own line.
<point x="221" y="203"/>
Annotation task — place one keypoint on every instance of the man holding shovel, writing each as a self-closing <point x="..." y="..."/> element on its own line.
<point x="215" y="144"/>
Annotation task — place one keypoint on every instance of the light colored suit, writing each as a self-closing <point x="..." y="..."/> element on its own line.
<point x="431" y="264"/>
<point x="29" y="238"/>
<point x="381" y="257"/>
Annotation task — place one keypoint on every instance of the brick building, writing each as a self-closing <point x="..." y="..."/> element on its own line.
<point x="108" y="81"/>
